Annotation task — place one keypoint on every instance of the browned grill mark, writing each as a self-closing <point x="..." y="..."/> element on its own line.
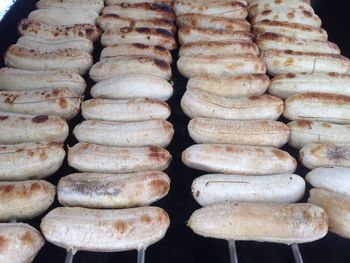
<point x="2" y="118"/>
<point x="27" y="239"/>
<point x="5" y="189"/>
<point x="3" y="244"/>
<point x="159" y="186"/>
<point x="161" y="63"/>
<point x="146" y="219"/>
<point x="40" y="118"/>
<point x="157" y="154"/>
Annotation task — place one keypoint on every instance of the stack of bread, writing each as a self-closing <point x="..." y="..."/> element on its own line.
<point x="39" y="91"/>
<point x="238" y="136"/>
<point x="313" y="79"/>
<point x="120" y="155"/>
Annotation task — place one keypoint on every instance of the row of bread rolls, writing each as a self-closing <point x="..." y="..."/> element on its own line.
<point x="234" y="124"/>
<point x="313" y="79"/>
<point x="40" y="90"/>
<point x="120" y="155"/>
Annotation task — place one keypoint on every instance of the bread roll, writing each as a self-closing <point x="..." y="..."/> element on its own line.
<point x="316" y="155"/>
<point x="263" y="222"/>
<point x="254" y="160"/>
<point x="196" y="103"/>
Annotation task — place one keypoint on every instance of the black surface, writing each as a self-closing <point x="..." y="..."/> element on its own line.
<point x="180" y="245"/>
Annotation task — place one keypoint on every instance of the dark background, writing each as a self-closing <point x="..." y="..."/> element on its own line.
<point x="180" y="244"/>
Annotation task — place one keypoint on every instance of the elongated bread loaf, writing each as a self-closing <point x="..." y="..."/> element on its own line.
<point x="106" y="159"/>
<point x="264" y="222"/>
<point x="125" y="134"/>
<point x="280" y="188"/>
<point x="104" y="230"/>
<point x="294" y="30"/>
<point x="18" y="79"/>
<point x="337" y="209"/>
<point x="225" y="66"/>
<point x="130" y="86"/>
<point x="334" y="179"/>
<point x="125" y="110"/>
<point x="315" y="155"/>
<point x="112" y="190"/>
<point x="30" y="160"/>
<point x="279" y="62"/>
<point x="25" y="199"/>
<point x="303" y="132"/>
<point x="196" y="103"/>
<point x="20" y="128"/>
<point x="254" y="160"/>
<point x="256" y="132"/>
<point x="231" y="87"/>
<point x="317" y="106"/>
<point x="20" y="242"/>
<point x="286" y="85"/>
<point x="60" y="102"/>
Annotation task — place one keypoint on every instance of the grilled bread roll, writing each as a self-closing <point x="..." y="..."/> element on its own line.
<point x="130" y="86"/>
<point x="294" y="30"/>
<point x="20" y="128"/>
<point x="337" y="209"/>
<point x="141" y="11"/>
<point x="75" y="228"/>
<point x="30" y="160"/>
<point x="143" y="35"/>
<point x="226" y="66"/>
<point x="112" y="190"/>
<point x="319" y="107"/>
<point x="303" y="132"/>
<point x="316" y="155"/>
<point x="213" y="22"/>
<point x="289" y="15"/>
<point x="286" y="85"/>
<point x="115" y="67"/>
<point x="196" y="103"/>
<point x="72" y="59"/>
<point x="264" y="222"/>
<point x="232" y="9"/>
<point x="112" y="21"/>
<point x="257" y="7"/>
<point x="25" y="199"/>
<point x="106" y="159"/>
<point x="60" y="102"/>
<point x="67" y="17"/>
<point x="95" y="5"/>
<point x="279" y="62"/>
<point x="192" y="34"/>
<point x="257" y="132"/>
<point x="34" y="28"/>
<point x="231" y="87"/>
<point x="219" y="48"/>
<point x="125" y="134"/>
<point x="141" y="109"/>
<point x="215" y="188"/>
<point x="20" y="243"/>
<point x="254" y="160"/>
<point x="268" y="41"/>
<point x="17" y="79"/>
<point x="136" y="49"/>
<point x="335" y="179"/>
<point x="49" y="45"/>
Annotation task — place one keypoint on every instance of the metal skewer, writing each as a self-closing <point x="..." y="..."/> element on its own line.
<point x="233" y="252"/>
<point x="296" y="253"/>
<point x="69" y="256"/>
<point x="141" y="255"/>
